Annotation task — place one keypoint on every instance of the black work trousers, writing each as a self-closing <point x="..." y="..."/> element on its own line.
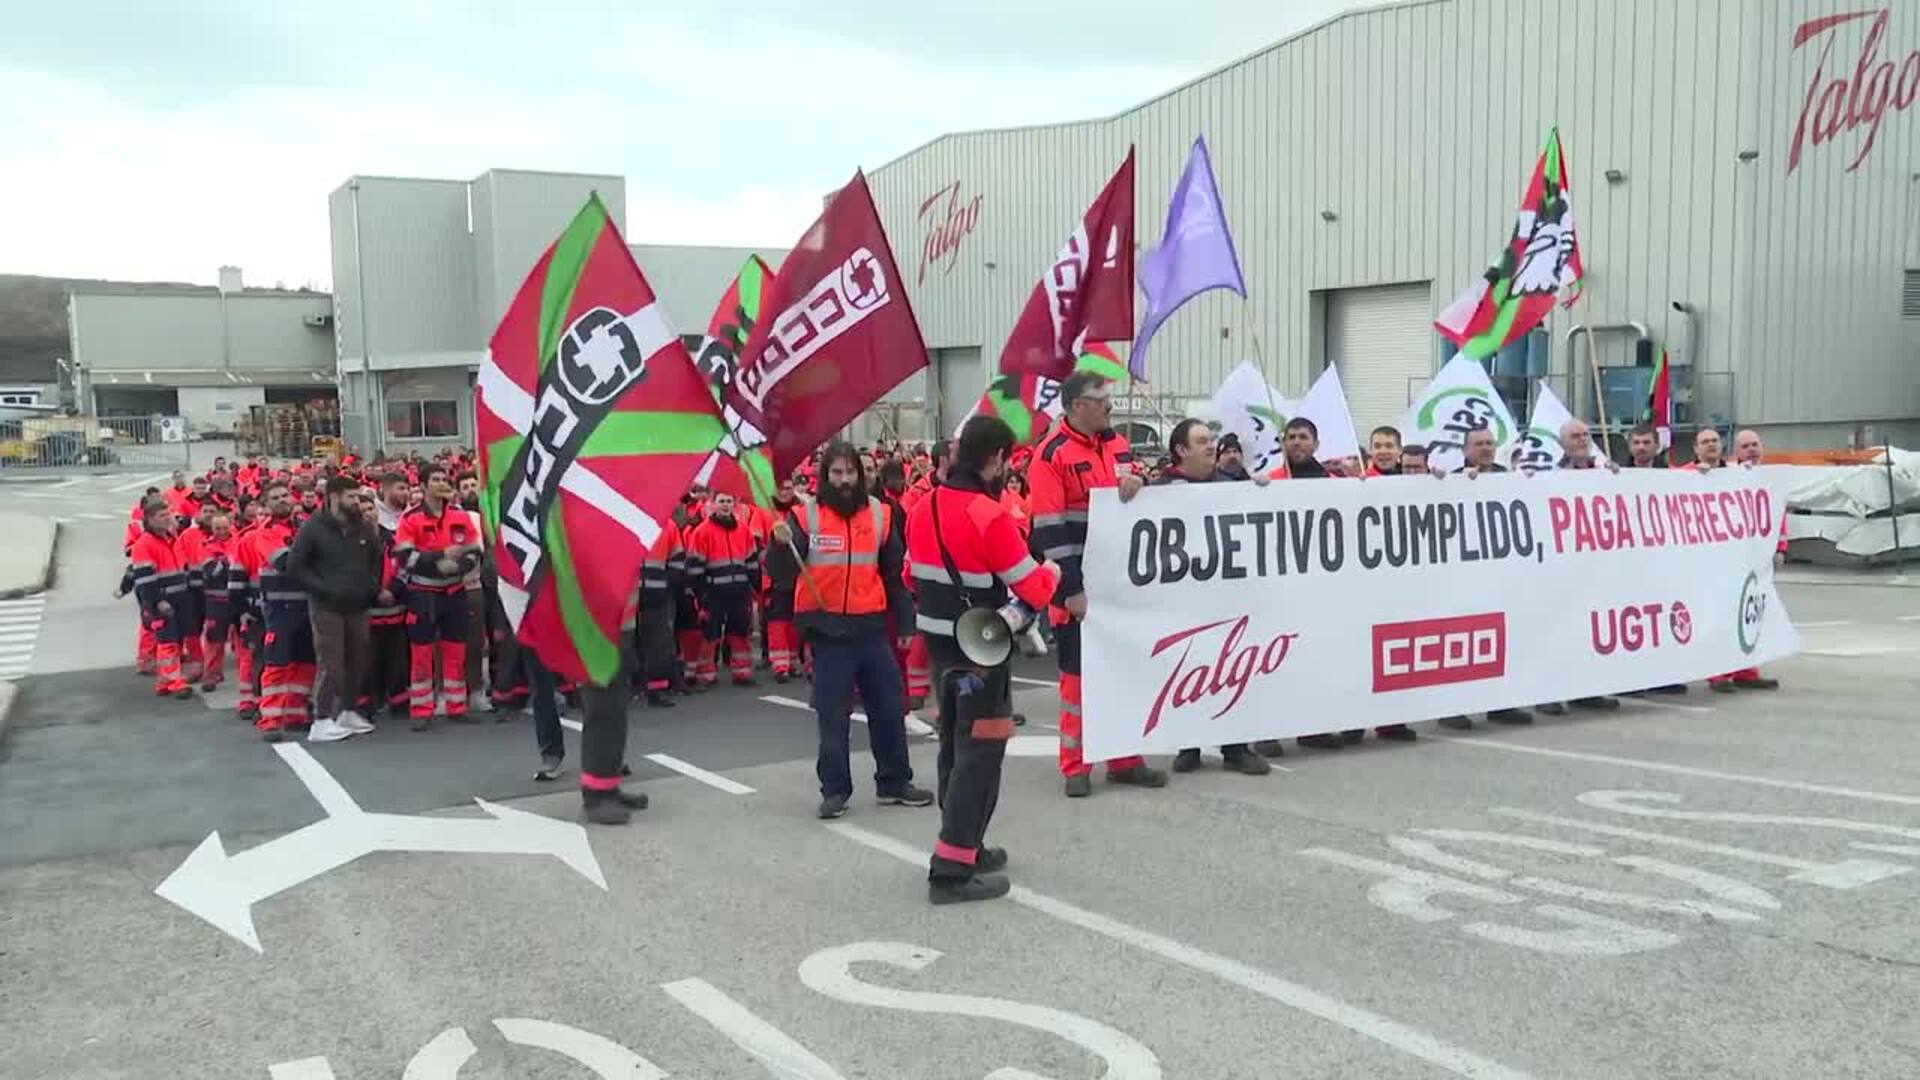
<point x="603" y="733"/>
<point x="976" y="720"/>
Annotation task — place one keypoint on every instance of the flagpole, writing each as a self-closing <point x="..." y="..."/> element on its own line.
<point x="753" y="482"/>
<point x="1599" y="396"/>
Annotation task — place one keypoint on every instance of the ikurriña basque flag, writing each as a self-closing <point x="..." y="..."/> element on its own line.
<point x="592" y="420"/>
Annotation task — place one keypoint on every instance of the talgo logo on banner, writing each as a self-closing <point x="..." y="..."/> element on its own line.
<point x="1752" y="614"/>
<point x="1232" y="670"/>
<point x="1436" y="652"/>
<point x="1637" y="626"/>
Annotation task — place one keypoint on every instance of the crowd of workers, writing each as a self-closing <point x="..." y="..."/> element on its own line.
<point x="347" y="589"/>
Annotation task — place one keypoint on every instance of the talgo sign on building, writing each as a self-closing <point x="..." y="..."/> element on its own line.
<point x="1850" y="93"/>
<point x="945" y="221"/>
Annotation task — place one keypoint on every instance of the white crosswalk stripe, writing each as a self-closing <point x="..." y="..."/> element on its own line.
<point x="19" y="630"/>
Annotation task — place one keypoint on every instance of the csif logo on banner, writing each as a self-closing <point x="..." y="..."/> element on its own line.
<point x="1848" y="97"/>
<point x="1752" y="614"/>
<point x="1224" y="674"/>
<point x="1436" y="652"/>
<point x="1637" y="626"/>
<point x="943" y="226"/>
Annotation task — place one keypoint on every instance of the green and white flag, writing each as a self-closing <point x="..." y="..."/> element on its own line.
<point x="1460" y="399"/>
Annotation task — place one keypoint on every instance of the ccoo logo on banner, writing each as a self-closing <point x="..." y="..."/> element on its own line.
<point x="1223" y="613"/>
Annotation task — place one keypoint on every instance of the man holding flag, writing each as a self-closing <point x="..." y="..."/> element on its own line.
<point x="592" y="420"/>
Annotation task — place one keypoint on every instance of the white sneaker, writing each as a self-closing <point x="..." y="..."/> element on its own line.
<point x="354" y="722"/>
<point x="327" y="731"/>
<point x="478" y="702"/>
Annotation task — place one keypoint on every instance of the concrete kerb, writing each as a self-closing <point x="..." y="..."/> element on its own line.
<point x="27" y="545"/>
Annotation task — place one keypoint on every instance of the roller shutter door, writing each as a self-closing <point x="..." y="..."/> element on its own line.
<point x="1382" y="341"/>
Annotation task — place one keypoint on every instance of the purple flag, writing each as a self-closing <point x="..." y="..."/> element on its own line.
<point x="1195" y="254"/>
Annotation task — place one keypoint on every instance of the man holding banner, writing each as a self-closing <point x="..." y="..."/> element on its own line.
<point x="1080" y="455"/>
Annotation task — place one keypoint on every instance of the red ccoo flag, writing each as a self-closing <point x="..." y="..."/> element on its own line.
<point x="841" y="334"/>
<point x="1086" y="295"/>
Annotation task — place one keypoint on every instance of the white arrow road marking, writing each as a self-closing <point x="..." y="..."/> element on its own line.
<point x="222" y="888"/>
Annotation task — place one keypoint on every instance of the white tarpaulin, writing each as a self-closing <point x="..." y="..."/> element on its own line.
<point x="1841" y="513"/>
<point x="1227" y="612"/>
<point x="1247" y="406"/>
<point x="1460" y="399"/>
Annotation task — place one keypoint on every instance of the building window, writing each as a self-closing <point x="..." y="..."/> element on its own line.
<point x="19" y="399"/>
<point x="433" y="419"/>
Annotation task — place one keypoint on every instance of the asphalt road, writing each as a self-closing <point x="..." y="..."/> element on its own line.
<point x="1702" y="886"/>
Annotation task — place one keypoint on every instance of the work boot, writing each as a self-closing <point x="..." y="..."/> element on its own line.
<point x="1598" y="703"/>
<point x="966" y="890"/>
<point x="1080" y="786"/>
<point x="1320" y="742"/>
<point x="1760" y="683"/>
<point x="183" y="693"/>
<point x="422" y="723"/>
<point x="782" y="677"/>
<point x="1397" y="732"/>
<point x="1456" y="723"/>
<point x="209" y="687"/>
<point x="247" y="713"/>
<point x="660" y="699"/>
<point x="990" y="860"/>
<point x="1139" y="776"/>
<point x="1551" y="708"/>
<point x="832" y="806"/>
<point x="907" y="796"/>
<point x="1186" y="760"/>
<point x="604" y="807"/>
<point x="632" y="800"/>
<point x="1353" y="736"/>
<point x="1019" y="719"/>
<point x="273" y="735"/>
<point x="1243" y="761"/>
<point x="1270" y="748"/>
<point x="1510" y="716"/>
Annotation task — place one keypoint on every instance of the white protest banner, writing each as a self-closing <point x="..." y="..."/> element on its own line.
<point x="1221" y="613"/>
<point x="1326" y="405"/>
<point x="1249" y="408"/>
<point x="1459" y="399"/>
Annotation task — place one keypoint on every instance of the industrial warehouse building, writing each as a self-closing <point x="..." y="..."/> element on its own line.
<point x="204" y="353"/>
<point x="1741" y="202"/>
<point x="423" y="269"/>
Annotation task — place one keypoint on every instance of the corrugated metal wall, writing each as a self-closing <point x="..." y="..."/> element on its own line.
<point x="173" y="331"/>
<point x="419" y="265"/>
<point x="1416" y="126"/>
<point x="516" y="214"/>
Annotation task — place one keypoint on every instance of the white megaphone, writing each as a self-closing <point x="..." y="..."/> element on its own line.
<point x="986" y="635"/>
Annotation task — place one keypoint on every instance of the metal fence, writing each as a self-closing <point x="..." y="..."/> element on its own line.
<point x="93" y="442"/>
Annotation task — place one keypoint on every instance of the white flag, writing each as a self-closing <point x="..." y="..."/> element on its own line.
<point x="1326" y="405"/>
<point x="1460" y="399"/>
<point x="1249" y="408"/>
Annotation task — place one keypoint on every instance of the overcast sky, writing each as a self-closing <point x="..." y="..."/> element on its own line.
<point x="160" y="140"/>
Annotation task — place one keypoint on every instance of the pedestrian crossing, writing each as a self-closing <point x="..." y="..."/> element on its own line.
<point x="19" y="630"/>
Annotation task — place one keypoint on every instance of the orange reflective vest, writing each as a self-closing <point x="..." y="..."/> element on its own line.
<point x="843" y="558"/>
